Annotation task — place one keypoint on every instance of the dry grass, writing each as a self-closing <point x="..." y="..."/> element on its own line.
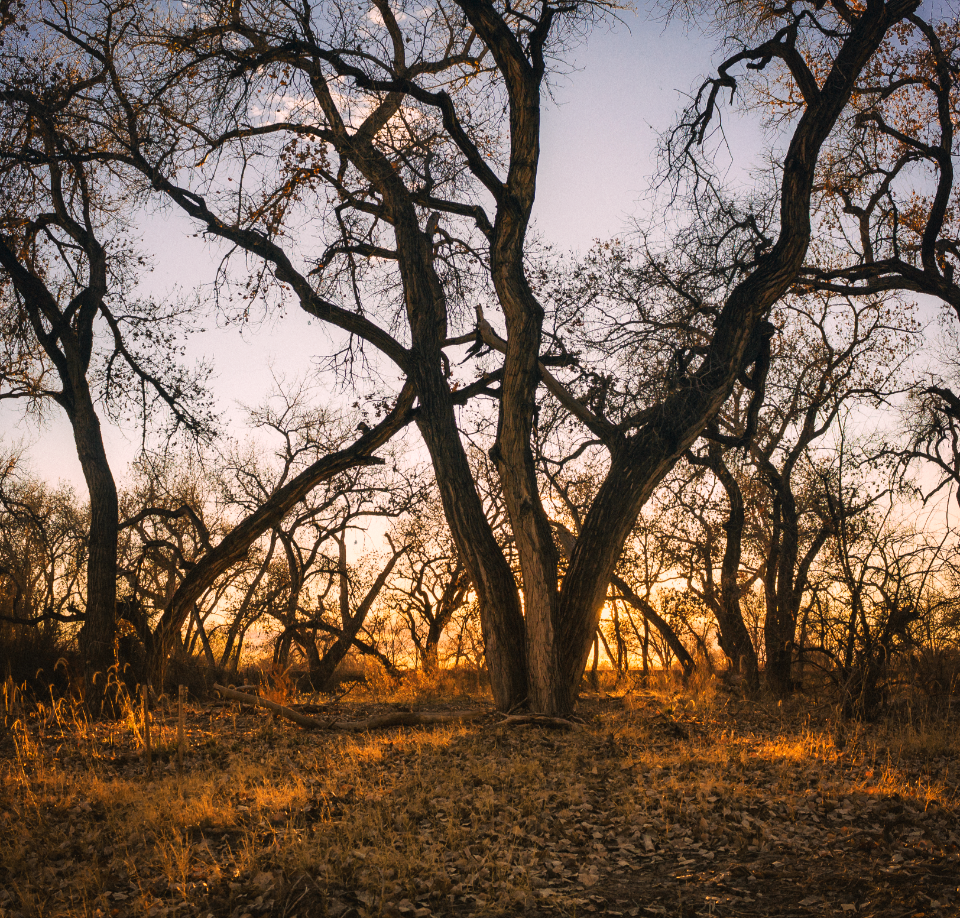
<point x="664" y="804"/>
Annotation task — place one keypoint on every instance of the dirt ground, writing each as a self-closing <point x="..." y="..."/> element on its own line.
<point x="657" y="804"/>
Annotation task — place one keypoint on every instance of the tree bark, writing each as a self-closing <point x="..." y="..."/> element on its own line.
<point x="98" y="634"/>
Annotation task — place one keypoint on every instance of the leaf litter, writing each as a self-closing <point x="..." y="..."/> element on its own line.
<point x="656" y="807"/>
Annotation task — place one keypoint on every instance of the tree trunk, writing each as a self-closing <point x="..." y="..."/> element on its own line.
<point x="323" y="675"/>
<point x="97" y="638"/>
<point x="785" y="580"/>
<point x="431" y="648"/>
<point x="500" y="611"/>
<point x="734" y="637"/>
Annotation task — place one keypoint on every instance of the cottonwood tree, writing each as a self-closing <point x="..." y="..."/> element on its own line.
<point x="887" y="192"/>
<point x="169" y="522"/>
<point x="320" y="599"/>
<point x="74" y="330"/>
<point x="888" y="197"/>
<point x="710" y="540"/>
<point x="408" y="140"/>
<point x="885" y="591"/>
<point x="818" y="357"/>
<point x="301" y="473"/>
<point x="569" y="480"/>
<point x="829" y="356"/>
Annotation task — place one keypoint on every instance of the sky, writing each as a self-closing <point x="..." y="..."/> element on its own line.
<point x="599" y="140"/>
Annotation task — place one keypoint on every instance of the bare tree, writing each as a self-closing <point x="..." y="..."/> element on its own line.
<point x="263" y="506"/>
<point x="74" y="331"/>
<point x="412" y="142"/>
<point x="42" y="557"/>
<point x="887" y="195"/>
<point x="835" y="354"/>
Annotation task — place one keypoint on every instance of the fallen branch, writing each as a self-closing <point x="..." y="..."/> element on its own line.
<point x="540" y="720"/>
<point x="409" y="719"/>
<point x="304" y="720"/>
<point x="394" y="719"/>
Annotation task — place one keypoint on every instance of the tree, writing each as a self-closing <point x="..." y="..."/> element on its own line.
<point x="73" y="329"/>
<point x="888" y="576"/>
<point x="835" y="354"/>
<point x="569" y="479"/>
<point x="216" y="535"/>
<point x="887" y="195"/>
<point x="723" y="597"/>
<point x="390" y="138"/>
<point x="302" y="583"/>
<point x="169" y="523"/>
<point x="830" y="357"/>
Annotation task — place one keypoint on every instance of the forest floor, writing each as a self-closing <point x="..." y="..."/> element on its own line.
<point x="659" y="804"/>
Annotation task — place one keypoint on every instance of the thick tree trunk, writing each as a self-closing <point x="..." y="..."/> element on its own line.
<point x="500" y="610"/>
<point x="308" y="647"/>
<point x="780" y="620"/>
<point x="98" y="634"/>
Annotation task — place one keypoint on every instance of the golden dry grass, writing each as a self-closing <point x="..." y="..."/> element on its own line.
<point x="663" y="804"/>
